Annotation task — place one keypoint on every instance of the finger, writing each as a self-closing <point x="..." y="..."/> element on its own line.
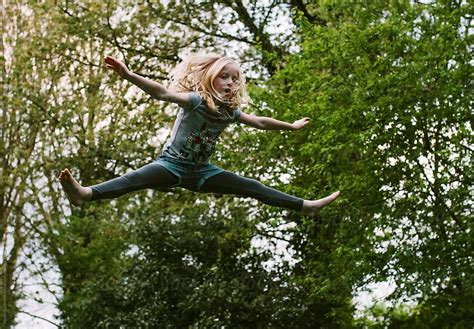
<point x="110" y="60"/>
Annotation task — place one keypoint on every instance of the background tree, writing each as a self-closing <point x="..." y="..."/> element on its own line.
<point x="22" y="139"/>
<point x="71" y="117"/>
<point x="388" y="89"/>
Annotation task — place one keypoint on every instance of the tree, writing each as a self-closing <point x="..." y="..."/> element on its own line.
<point x="387" y="88"/>
<point x="57" y="113"/>
<point x="22" y="120"/>
<point x="389" y="99"/>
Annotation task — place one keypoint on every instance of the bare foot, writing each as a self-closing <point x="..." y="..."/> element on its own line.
<point x="311" y="206"/>
<point x="75" y="192"/>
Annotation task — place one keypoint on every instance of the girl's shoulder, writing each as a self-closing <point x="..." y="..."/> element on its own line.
<point x="194" y="101"/>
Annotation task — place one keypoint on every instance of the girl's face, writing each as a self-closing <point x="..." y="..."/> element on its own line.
<point x="227" y="81"/>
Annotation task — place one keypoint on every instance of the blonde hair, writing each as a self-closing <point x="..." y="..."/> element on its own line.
<point x="197" y="73"/>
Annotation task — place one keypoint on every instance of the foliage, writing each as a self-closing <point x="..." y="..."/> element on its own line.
<point x="61" y="109"/>
<point x="188" y="270"/>
<point x="391" y="126"/>
<point x="387" y="87"/>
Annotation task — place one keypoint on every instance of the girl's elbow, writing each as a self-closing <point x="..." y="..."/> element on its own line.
<point x="255" y="122"/>
<point x="162" y="96"/>
<point x="261" y="125"/>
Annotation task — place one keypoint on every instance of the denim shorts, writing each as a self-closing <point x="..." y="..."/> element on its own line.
<point x="191" y="176"/>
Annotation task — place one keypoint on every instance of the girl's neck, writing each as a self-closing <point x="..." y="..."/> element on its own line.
<point x="222" y="105"/>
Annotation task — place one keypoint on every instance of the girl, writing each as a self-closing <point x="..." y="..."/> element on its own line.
<point x="210" y="90"/>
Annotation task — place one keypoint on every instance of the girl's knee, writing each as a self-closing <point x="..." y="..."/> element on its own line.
<point x="253" y="184"/>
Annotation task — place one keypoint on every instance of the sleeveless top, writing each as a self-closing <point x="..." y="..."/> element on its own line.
<point x="196" y="131"/>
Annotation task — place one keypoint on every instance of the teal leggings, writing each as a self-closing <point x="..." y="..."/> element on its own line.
<point x="155" y="176"/>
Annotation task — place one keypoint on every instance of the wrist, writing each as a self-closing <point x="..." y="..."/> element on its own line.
<point x="126" y="74"/>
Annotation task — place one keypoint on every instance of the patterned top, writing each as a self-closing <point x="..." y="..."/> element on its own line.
<point x="196" y="131"/>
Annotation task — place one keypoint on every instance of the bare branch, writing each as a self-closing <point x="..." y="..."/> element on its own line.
<point x="40" y="318"/>
<point x="302" y="7"/>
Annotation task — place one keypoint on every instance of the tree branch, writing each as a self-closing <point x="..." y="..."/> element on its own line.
<point x="269" y="49"/>
<point x="298" y="4"/>
<point x="39" y="317"/>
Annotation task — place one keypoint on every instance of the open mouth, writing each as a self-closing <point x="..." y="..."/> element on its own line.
<point x="227" y="93"/>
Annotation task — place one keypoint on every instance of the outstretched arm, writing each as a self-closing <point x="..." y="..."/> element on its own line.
<point x="155" y="89"/>
<point x="266" y="123"/>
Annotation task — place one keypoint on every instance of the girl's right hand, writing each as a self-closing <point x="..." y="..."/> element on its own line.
<point x="116" y="65"/>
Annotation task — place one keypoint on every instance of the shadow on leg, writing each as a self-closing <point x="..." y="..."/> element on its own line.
<point x="151" y="176"/>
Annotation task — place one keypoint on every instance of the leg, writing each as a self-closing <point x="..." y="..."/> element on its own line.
<point x="229" y="183"/>
<point x="148" y="176"/>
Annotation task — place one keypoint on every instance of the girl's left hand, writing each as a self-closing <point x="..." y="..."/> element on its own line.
<point x="298" y="124"/>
